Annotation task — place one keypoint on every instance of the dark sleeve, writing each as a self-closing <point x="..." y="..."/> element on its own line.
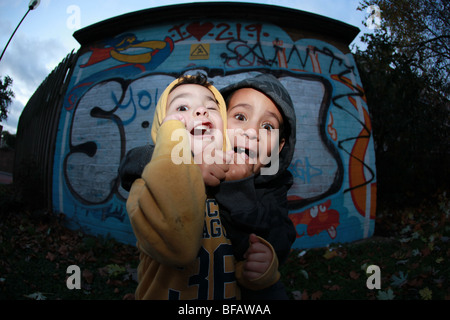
<point x="133" y="164"/>
<point x="282" y="231"/>
<point x="261" y="209"/>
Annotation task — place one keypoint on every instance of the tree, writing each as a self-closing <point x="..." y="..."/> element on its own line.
<point x="409" y="107"/>
<point x="6" y="95"/>
<point x="419" y="32"/>
<point x="8" y="139"/>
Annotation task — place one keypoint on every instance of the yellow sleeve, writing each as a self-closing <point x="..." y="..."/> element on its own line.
<point x="270" y="277"/>
<point x="166" y="206"/>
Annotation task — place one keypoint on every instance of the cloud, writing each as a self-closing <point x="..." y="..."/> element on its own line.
<point x="10" y="3"/>
<point x="28" y="62"/>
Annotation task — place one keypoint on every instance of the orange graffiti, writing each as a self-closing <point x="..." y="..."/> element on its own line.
<point x="357" y="180"/>
<point x="318" y="218"/>
<point x="332" y="131"/>
<point x="346" y="81"/>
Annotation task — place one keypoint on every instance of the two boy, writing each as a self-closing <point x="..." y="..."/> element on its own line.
<point x="184" y="251"/>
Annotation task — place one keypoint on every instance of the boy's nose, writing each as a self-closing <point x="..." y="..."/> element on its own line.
<point x="201" y="111"/>
<point x="251" y="133"/>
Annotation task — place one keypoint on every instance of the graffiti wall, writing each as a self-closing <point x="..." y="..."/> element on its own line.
<point x="109" y="105"/>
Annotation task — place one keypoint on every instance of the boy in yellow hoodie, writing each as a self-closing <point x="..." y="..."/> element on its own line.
<point x="184" y="251"/>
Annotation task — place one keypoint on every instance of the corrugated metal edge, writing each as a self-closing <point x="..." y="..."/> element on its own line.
<point x="37" y="129"/>
<point x="281" y="16"/>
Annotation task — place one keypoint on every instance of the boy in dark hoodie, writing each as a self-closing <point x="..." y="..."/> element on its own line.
<point x="251" y="202"/>
<point x="256" y="203"/>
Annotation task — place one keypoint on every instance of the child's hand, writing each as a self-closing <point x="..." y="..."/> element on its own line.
<point x="258" y="258"/>
<point x="214" y="167"/>
<point x="238" y="170"/>
<point x="174" y="117"/>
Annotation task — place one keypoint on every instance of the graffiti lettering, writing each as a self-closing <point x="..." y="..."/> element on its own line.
<point x="221" y="36"/>
<point x="304" y="170"/>
<point x="144" y="102"/>
<point x="218" y="32"/>
<point x="246" y="56"/>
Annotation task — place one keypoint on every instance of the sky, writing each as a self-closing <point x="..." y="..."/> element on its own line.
<point x="45" y="36"/>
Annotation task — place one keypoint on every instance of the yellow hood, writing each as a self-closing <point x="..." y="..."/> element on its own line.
<point x="161" y="107"/>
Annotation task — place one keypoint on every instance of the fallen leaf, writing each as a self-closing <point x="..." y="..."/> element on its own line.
<point x="330" y="254"/>
<point x="316" y="295"/>
<point x="50" y="256"/>
<point x="132" y="274"/>
<point x="304" y="273"/>
<point x="88" y="276"/>
<point x="305" y="295"/>
<point x="301" y="254"/>
<point x="426" y="293"/>
<point x="417" y="283"/>
<point x="103" y="271"/>
<point x="354" y="275"/>
<point x="63" y="250"/>
<point x="335" y="288"/>
<point x="426" y="251"/>
<point x="115" y="270"/>
<point x="400" y="280"/>
<point x="129" y="296"/>
<point x="297" y="295"/>
<point x="116" y="283"/>
<point x="36" y="296"/>
<point x="386" y="295"/>
<point x="41" y="228"/>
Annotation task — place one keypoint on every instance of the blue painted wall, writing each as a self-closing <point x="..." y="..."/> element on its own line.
<point x="109" y="105"/>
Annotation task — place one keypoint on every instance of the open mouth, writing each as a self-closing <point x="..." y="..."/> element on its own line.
<point x="202" y="129"/>
<point x="250" y="154"/>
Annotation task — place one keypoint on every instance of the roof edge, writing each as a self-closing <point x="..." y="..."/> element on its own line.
<point x="281" y="16"/>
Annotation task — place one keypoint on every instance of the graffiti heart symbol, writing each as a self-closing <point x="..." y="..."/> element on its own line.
<point x="199" y="30"/>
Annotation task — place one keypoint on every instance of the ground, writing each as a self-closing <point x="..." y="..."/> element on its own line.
<point x="410" y="247"/>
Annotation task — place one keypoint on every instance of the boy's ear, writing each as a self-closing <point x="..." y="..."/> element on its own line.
<point x="282" y="142"/>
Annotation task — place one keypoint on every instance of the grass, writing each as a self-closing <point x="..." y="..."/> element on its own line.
<point x="37" y="249"/>
<point x="413" y="255"/>
<point x="410" y="246"/>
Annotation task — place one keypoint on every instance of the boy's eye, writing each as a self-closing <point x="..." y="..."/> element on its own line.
<point x="182" y="108"/>
<point x="268" y="126"/>
<point x="212" y="107"/>
<point x="240" y="117"/>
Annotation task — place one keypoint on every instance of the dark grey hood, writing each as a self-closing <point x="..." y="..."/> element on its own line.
<point x="271" y="87"/>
